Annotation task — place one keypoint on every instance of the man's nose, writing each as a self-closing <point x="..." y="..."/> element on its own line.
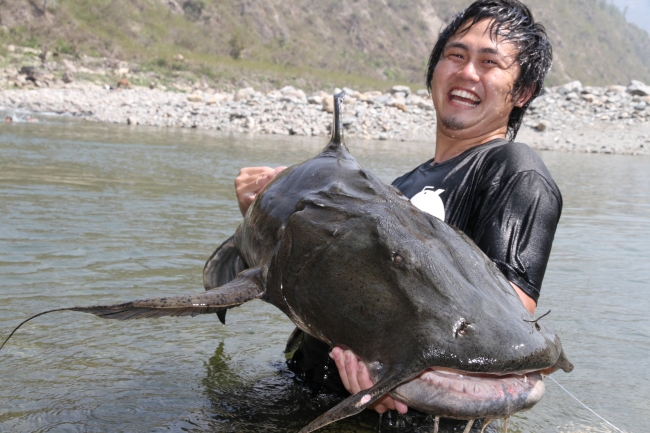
<point x="468" y="72"/>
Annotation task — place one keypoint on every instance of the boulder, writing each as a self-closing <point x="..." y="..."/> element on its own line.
<point x="572" y="96"/>
<point x="616" y="89"/>
<point x="589" y="97"/>
<point x="315" y="99"/>
<point x="328" y="104"/>
<point x="369" y="96"/>
<point x="383" y="99"/>
<point x="414" y="100"/>
<point x="352" y="93"/>
<point x="543" y="125"/>
<point x="573" y="86"/>
<point x="637" y="88"/>
<point x="68" y="77"/>
<point x="291" y="94"/>
<point x="399" y="106"/>
<point x="195" y="98"/>
<point x="245" y="93"/>
<point x="286" y="89"/>
<point x="404" y="89"/>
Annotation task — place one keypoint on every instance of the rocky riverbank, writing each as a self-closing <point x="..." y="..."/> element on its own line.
<point x="615" y="119"/>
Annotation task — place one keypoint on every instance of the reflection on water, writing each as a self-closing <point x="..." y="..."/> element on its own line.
<point x="99" y="214"/>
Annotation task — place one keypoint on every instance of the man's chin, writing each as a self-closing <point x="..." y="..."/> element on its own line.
<point x="453" y="123"/>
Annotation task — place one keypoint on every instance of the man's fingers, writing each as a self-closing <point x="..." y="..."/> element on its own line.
<point x="250" y="181"/>
<point x="337" y="355"/>
<point x="384" y="403"/>
<point x="351" y="368"/>
<point x="356" y="376"/>
<point x="401" y="407"/>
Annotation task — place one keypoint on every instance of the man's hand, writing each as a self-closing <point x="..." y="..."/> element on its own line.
<point x="250" y="181"/>
<point x="355" y="377"/>
<point x="528" y="302"/>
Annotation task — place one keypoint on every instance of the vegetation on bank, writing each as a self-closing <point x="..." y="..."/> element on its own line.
<point x="365" y="44"/>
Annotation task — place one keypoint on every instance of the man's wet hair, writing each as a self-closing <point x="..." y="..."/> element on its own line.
<point x="513" y="22"/>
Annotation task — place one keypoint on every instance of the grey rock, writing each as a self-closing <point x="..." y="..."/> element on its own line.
<point x="589" y="97"/>
<point x="328" y="104"/>
<point x="383" y="99"/>
<point x="315" y="99"/>
<point x="638" y="88"/>
<point x="573" y="86"/>
<point x="403" y="89"/>
<point x="68" y="77"/>
<point x="245" y="93"/>
<point x="543" y="125"/>
<point x="616" y="89"/>
<point x="353" y="93"/>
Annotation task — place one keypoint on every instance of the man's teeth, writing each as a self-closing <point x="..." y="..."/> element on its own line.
<point x="465" y="95"/>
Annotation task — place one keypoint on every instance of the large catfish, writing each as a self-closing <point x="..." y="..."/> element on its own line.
<point x="353" y="263"/>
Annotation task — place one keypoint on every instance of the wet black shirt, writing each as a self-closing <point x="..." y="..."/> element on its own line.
<point x="503" y="197"/>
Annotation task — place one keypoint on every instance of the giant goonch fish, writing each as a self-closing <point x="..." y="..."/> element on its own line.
<point x="353" y="263"/>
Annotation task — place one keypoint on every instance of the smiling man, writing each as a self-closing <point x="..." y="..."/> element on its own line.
<point x="487" y="66"/>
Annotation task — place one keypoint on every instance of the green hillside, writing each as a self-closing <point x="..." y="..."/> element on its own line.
<point x="361" y="43"/>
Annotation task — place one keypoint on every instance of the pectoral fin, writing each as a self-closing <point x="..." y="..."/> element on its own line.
<point x="223" y="265"/>
<point x="248" y="285"/>
<point x="357" y="402"/>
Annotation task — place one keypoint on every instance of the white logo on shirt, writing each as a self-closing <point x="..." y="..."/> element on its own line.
<point x="428" y="200"/>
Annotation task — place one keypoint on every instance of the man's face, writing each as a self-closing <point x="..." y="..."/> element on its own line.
<point x="471" y="84"/>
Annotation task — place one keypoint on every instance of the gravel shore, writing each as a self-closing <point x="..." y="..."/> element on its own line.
<point x="615" y="119"/>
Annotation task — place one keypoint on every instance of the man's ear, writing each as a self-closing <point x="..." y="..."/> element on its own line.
<point x="524" y="96"/>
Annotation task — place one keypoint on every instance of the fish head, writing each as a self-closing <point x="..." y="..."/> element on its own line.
<point x="416" y="299"/>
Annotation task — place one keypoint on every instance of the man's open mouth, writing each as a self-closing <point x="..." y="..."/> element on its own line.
<point x="462" y="395"/>
<point x="463" y="97"/>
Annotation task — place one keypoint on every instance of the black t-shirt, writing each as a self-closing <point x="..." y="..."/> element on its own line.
<point x="503" y="197"/>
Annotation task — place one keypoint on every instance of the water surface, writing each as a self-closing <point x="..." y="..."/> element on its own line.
<point x="95" y="214"/>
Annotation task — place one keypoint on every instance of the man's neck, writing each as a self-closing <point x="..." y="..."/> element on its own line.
<point x="450" y="144"/>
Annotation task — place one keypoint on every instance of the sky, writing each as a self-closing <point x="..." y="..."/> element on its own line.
<point x="638" y="12"/>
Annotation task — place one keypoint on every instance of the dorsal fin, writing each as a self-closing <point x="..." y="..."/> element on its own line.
<point x="336" y="143"/>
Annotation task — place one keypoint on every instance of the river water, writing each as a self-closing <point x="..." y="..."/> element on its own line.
<point x="97" y="214"/>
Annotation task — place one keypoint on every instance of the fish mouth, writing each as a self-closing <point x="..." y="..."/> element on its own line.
<point x="463" y="395"/>
<point x="464" y="97"/>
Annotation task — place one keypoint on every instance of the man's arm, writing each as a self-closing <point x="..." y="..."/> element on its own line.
<point x="528" y="302"/>
<point x="250" y="181"/>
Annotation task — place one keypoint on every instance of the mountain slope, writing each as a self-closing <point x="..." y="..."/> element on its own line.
<point x="357" y="42"/>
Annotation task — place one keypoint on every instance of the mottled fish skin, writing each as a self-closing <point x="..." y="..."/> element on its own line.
<point x="353" y="263"/>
